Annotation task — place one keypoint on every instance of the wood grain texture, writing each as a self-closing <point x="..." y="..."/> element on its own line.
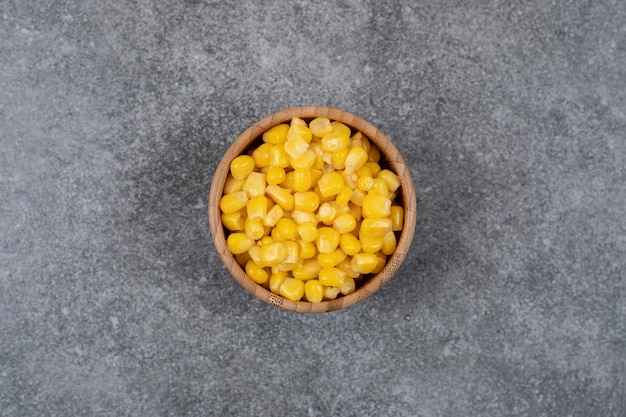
<point x="392" y="159"/>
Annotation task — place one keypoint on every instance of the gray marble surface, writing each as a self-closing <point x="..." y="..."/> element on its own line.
<point x="511" y="116"/>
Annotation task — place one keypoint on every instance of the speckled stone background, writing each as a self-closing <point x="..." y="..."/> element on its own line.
<point x="511" y="116"/>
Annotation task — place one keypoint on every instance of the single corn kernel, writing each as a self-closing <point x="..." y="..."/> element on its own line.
<point x="320" y="126"/>
<point x="310" y="269"/>
<point x="338" y="158"/>
<point x="272" y="254"/>
<point x="255" y="184"/>
<point x="261" y="155"/>
<point x="344" y="223"/>
<point x="330" y="184"/>
<point x="277" y="134"/>
<point x="397" y="218"/>
<point x="392" y="180"/>
<point x="233" y="221"/>
<point x="348" y="286"/>
<point x="275" y="234"/>
<point x="332" y="277"/>
<point x="357" y="197"/>
<point x="241" y="166"/>
<point x="307" y="250"/>
<point x="258" y="274"/>
<point x="327" y="260"/>
<point x="291" y="250"/>
<point x="341" y="209"/>
<point x="273" y="215"/>
<point x="297" y="121"/>
<point x="371" y="244"/>
<point x="327" y="239"/>
<point x="304" y="162"/>
<point x="301" y="217"/>
<point x="375" y="205"/>
<point x="330" y="293"/>
<point x="389" y="243"/>
<point x="292" y="289"/>
<point x="302" y="180"/>
<point x="326" y="214"/>
<point x="278" y="157"/>
<point x="230" y="203"/>
<point x="350" y="180"/>
<point x="356" y="158"/>
<point x="341" y="128"/>
<point x="350" y="244"/>
<point x="255" y="254"/>
<point x="335" y="141"/>
<point x="306" y="201"/>
<point x="373" y="167"/>
<point x="280" y="196"/>
<point x="316" y="174"/>
<point x="344" y="196"/>
<point x="232" y="185"/>
<point x="287" y="228"/>
<point x="254" y="229"/>
<point x="275" y="175"/>
<point x="375" y="227"/>
<point x="347" y="268"/>
<point x="299" y="131"/>
<point x="382" y="260"/>
<point x="379" y="187"/>
<point x="307" y="231"/>
<point x="239" y="243"/>
<point x="265" y="240"/>
<point x="365" y="183"/>
<point x="374" y="154"/>
<point x="296" y="147"/>
<point x="355" y="211"/>
<point x="276" y="280"/>
<point x="288" y="181"/>
<point x="364" y="263"/>
<point x="256" y="207"/>
<point x="313" y="291"/>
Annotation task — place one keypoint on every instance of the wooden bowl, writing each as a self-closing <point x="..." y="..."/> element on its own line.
<point x="390" y="158"/>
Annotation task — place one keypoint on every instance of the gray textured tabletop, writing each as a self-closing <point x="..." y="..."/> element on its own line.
<point x="511" y="117"/>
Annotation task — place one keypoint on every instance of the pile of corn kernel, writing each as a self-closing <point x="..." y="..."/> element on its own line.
<point x="310" y="210"/>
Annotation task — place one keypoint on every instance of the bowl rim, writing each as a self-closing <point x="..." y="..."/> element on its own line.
<point x="392" y="158"/>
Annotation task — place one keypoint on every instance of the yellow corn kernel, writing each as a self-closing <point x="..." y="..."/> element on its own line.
<point x="267" y="232"/>
<point x="296" y="147"/>
<point x="272" y="254"/>
<point x="275" y="175"/>
<point x="299" y="131"/>
<point x="356" y="158"/>
<point x="344" y="223"/>
<point x="239" y="243"/>
<point x="382" y="260"/>
<point x="365" y="142"/>
<point x="320" y="126"/>
<point x="307" y="231"/>
<point x="327" y="260"/>
<point x="255" y="254"/>
<point x="397" y="218"/>
<point x="307" y="250"/>
<point x="389" y="243"/>
<point x="374" y="154"/>
<point x="350" y="180"/>
<point x="276" y="280"/>
<point x="230" y="203"/>
<point x="242" y="259"/>
<point x="304" y="162"/>
<point x="313" y="291"/>
<point x="261" y="155"/>
<point x="288" y="181"/>
<point x="258" y="274"/>
<point x="278" y="157"/>
<point x="275" y="234"/>
<point x="379" y="187"/>
<point x="265" y="240"/>
<point x="330" y="184"/>
<point x="375" y="226"/>
<point x="273" y="215"/>
<point x="310" y="269"/>
<point x="241" y="166"/>
<point x="349" y="244"/>
<point x="276" y="135"/>
<point x="347" y="268"/>
<point x="306" y="201"/>
<point x="287" y="228"/>
<point x="341" y="209"/>
<point x="338" y="158"/>
<point x="332" y="277"/>
<point x="392" y="180"/>
<point x="292" y="289"/>
<point x="233" y="221"/>
<point x="365" y="183"/>
<point x="373" y="167"/>
<point x="297" y="121"/>
<point x="357" y="197"/>
<point x="254" y="229"/>
<point x="327" y="239"/>
<point x="302" y="180"/>
<point x="232" y="185"/>
<point x="316" y="174"/>
<point x="303" y="217"/>
<point x="348" y="286"/>
<point x="330" y="293"/>
<point x="375" y="205"/>
<point x="256" y="208"/>
<point x="335" y="141"/>
<point x="255" y="184"/>
<point x="326" y="214"/>
<point x="364" y="263"/>
<point x="344" y="196"/>
<point x="341" y="128"/>
<point x="371" y="244"/>
<point x="291" y="249"/>
<point x="281" y="196"/>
